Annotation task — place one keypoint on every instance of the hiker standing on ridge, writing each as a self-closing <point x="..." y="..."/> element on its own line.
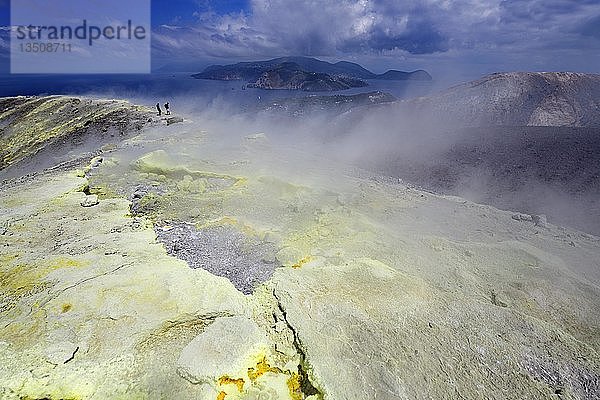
<point x="168" y="112"/>
<point x="159" y="110"/>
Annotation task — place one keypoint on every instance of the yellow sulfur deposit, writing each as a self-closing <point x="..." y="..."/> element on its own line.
<point x="239" y="383"/>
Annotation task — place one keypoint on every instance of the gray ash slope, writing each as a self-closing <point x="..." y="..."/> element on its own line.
<point x="553" y="171"/>
<point x="527" y="142"/>
<point x="519" y="99"/>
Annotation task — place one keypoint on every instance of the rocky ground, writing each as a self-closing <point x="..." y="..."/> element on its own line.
<point x="518" y="141"/>
<point x="518" y="99"/>
<point x="310" y="279"/>
<point x="537" y="170"/>
<point x="40" y="132"/>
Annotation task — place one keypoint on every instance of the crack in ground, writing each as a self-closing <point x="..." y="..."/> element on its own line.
<point x="72" y="355"/>
<point x="53" y="295"/>
<point x="194" y="322"/>
<point x="61" y="291"/>
<point x="306" y="385"/>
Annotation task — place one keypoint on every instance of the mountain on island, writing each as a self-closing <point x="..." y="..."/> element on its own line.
<point x="343" y="70"/>
<point x="291" y="76"/>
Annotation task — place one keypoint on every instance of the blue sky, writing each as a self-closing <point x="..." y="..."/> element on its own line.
<point x="447" y="37"/>
<point x="167" y="11"/>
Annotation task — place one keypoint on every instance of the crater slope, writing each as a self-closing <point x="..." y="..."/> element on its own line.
<point x="377" y="290"/>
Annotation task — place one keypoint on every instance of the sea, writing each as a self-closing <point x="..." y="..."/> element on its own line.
<point x="149" y="89"/>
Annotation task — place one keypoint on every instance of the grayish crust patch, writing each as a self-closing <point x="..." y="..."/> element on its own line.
<point x="221" y="250"/>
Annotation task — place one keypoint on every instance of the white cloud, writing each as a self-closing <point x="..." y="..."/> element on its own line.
<point x="400" y="28"/>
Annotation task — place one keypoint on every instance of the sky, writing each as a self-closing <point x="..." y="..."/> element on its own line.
<point x="451" y="38"/>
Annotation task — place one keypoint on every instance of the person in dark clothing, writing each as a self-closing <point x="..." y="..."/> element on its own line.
<point x="159" y="110"/>
<point x="167" y="108"/>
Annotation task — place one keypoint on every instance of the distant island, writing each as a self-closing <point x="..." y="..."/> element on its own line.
<point x="303" y="73"/>
<point x="291" y="76"/>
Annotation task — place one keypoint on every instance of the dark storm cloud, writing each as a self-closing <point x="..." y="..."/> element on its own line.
<point x="590" y="27"/>
<point x="550" y="24"/>
<point x="421" y="39"/>
<point x="320" y="28"/>
<point x="522" y="31"/>
<point x="502" y="34"/>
